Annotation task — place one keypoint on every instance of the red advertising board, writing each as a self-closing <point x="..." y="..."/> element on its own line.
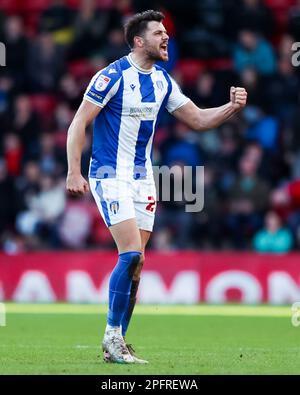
<point x="173" y="277"/>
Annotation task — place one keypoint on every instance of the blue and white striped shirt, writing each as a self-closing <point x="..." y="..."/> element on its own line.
<point x="133" y="100"/>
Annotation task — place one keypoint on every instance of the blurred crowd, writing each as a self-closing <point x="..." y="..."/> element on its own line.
<point x="252" y="162"/>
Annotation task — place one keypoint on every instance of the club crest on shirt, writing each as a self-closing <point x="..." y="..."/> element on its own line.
<point x="114" y="207"/>
<point x="102" y="82"/>
<point x="160" y="85"/>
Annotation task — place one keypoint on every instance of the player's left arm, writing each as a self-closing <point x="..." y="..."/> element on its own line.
<point x="209" y="118"/>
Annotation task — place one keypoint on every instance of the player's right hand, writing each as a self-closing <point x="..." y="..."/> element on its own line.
<point x="76" y="185"/>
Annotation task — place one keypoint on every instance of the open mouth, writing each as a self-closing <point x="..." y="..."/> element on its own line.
<point x="164" y="47"/>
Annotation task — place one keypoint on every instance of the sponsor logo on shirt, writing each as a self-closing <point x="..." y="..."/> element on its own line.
<point x="141" y="111"/>
<point x="94" y="95"/>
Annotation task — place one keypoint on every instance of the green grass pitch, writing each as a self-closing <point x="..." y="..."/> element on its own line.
<point x="64" y="339"/>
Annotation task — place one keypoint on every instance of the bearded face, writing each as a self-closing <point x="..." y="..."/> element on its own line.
<point x="156" y="42"/>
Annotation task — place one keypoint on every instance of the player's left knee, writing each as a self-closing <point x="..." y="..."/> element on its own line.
<point x="137" y="272"/>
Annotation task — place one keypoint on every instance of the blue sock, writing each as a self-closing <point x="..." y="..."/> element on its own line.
<point x="120" y="285"/>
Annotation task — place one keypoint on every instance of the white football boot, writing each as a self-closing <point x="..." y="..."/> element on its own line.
<point x="108" y="358"/>
<point x="132" y="353"/>
<point x="113" y="345"/>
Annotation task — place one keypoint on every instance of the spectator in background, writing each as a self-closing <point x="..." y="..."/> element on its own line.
<point x="273" y="238"/>
<point x="181" y="148"/>
<point x="8" y="199"/>
<point x="250" y="79"/>
<point x="268" y="167"/>
<point x="40" y="221"/>
<point x="114" y="47"/>
<point x="121" y="10"/>
<point x="63" y="116"/>
<point x="27" y="185"/>
<point x="16" y="49"/>
<point x="248" y="199"/>
<point x="203" y="93"/>
<point x="75" y="226"/>
<point x="162" y="240"/>
<point x="12" y="243"/>
<point x="293" y="142"/>
<point x="226" y="161"/>
<point x="282" y="87"/>
<point x="70" y="91"/>
<point x="285" y="200"/>
<point x="294" y="21"/>
<point x="295" y="167"/>
<point x="253" y="15"/>
<point x="2" y="23"/>
<point x="6" y="88"/>
<point x="172" y="217"/>
<point x="13" y="153"/>
<point x="50" y="160"/>
<point x="57" y="19"/>
<point x="90" y="29"/>
<point x="284" y="48"/>
<point x="255" y="52"/>
<point x="262" y="128"/>
<point x="208" y="227"/>
<point x="25" y="122"/>
<point x="45" y="64"/>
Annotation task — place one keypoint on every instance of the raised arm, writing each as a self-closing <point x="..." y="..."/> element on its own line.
<point x="203" y="119"/>
<point x="87" y="111"/>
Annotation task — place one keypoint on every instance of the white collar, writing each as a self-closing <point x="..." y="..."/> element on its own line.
<point x="134" y="64"/>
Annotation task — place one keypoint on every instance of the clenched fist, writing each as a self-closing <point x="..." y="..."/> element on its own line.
<point x="238" y="97"/>
<point x="76" y="184"/>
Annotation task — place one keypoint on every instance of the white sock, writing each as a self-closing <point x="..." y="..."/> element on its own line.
<point x="116" y="329"/>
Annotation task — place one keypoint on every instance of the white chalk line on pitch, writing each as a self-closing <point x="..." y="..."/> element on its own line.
<point x="194" y="310"/>
<point x="50" y="346"/>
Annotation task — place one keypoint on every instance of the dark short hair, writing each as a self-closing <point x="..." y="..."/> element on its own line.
<point x="138" y="23"/>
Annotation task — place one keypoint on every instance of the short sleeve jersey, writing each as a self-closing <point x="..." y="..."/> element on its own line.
<point x="132" y="101"/>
